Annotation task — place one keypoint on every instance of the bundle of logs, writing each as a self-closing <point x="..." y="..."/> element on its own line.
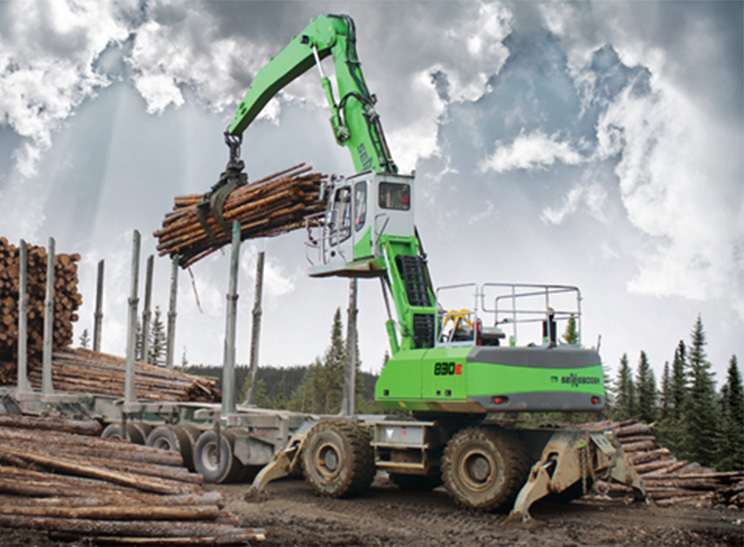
<point x="57" y="477"/>
<point x="275" y="204"/>
<point x="67" y="299"/>
<point x="668" y="481"/>
<point x="85" y="371"/>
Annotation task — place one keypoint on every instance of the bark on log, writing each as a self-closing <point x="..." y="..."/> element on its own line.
<point x="118" y="496"/>
<point x="80" y="427"/>
<point x="118" y="512"/>
<point x="645" y="457"/>
<point x="639" y="446"/>
<point x="85" y="469"/>
<point x="134" y="528"/>
<point x="632" y="429"/>
<point x="278" y="203"/>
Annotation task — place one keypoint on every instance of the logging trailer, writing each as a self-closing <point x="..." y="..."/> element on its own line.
<point x="463" y="357"/>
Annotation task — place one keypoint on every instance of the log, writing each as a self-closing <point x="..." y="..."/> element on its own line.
<point x="242" y="537"/>
<point x="134" y="528"/>
<point x="81" y="427"/>
<point x="632" y="429"/>
<point x="97" y="498"/>
<point x="649" y="456"/>
<point x="275" y="204"/>
<point x="117" y="512"/>
<point x="50" y="486"/>
<point x="639" y="446"/>
<point x="645" y="468"/>
<point x="85" y="469"/>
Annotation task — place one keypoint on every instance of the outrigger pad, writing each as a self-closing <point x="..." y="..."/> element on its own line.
<point x="571" y="458"/>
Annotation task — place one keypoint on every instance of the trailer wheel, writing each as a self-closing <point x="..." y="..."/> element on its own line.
<point x="141" y="431"/>
<point x="337" y="459"/>
<point x="115" y="431"/>
<point x="421" y="483"/>
<point x="174" y="439"/>
<point x="228" y="468"/>
<point x="484" y="468"/>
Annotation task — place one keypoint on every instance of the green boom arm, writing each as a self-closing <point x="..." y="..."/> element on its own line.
<point x="355" y="123"/>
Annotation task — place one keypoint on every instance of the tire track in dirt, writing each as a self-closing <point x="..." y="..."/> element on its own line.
<point x="385" y="515"/>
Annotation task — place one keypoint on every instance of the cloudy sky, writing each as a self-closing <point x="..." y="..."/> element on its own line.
<point x="597" y="144"/>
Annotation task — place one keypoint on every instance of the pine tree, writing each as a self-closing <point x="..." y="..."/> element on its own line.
<point x="665" y="395"/>
<point x="84" y="339"/>
<point x="280" y="402"/>
<point x="646" y="389"/>
<point x="333" y="367"/>
<point x="701" y="413"/>
<point x="625" y="396"/>
<point x="679" y="380"/>
<point x="262" y="398"/>
<point x="670" y="432"/>
<point x="732" y="403"/>
<point x="571" y="335"/>
<point x="156" y="352"/>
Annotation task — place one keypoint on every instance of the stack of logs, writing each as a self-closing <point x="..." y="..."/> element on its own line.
<point x="67" y="299"/>
<point x="275" y="204"/>
<point x="57" y="477"/>
<point x="85" y="371"/>
<point x="668" y="481"/>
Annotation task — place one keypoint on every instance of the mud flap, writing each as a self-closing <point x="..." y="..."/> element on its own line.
<point x="572" y="457"/>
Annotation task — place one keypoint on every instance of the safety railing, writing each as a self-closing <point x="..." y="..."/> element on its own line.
<point x="508" y="314"/>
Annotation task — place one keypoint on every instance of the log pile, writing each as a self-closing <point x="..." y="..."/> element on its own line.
<point x="67" y="299"/>
<point x="275" y="204"/>
<point x="85" y="371"/>
<point x="75" y="486"/>
<point x="668" y="480"/>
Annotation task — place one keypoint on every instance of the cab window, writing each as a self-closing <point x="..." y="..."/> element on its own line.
<point x="394" y="195"/>
<point x="360" y="205"/>
<point x="341" y="216"/>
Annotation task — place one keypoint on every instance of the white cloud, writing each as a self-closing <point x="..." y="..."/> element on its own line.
<point x="277" y="282"/>
<point x="676" y="187"/>
<point x="535" y="150"/>
<point x="186" y="51"/>
<point x="45" y="80"/>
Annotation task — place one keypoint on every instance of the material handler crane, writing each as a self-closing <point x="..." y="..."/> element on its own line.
<point x="456" y="370"/>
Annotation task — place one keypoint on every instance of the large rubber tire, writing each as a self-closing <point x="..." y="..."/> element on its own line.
<point x="141" y="431"/>
<point x="484" y="468"/>
<point x="175" y="439"/>
<point x="419" y="483"/>
<point x="115" y="431"/>
<point x="337" y="459"/>
<point x="228" y="468"/>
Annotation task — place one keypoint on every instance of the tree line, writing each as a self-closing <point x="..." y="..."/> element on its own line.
<point x="316" y="388"/>
<point x="693" y="420"/>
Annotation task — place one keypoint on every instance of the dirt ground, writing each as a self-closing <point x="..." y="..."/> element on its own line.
<point x="293" y="515"/>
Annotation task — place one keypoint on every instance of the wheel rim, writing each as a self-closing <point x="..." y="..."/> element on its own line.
<point x="328" y="460"/>
<point x="477" y="470"/>
<point x="162" y="444"/>
<point x="209" y="457"/>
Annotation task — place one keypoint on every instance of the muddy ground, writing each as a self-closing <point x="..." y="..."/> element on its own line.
<point x="292" y="514"/>
<point x="386" y="515"/>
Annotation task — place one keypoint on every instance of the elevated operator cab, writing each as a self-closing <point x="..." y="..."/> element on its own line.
<point x="362" y="210"/>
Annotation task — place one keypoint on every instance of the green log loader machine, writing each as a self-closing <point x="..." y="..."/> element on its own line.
<point x="456" y="371"/>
